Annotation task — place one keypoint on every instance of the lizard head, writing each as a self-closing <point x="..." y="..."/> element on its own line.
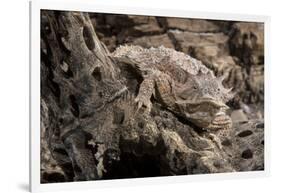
<point x="202" y="99"/>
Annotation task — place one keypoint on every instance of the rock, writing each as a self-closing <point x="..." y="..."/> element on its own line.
<point x="247" y="42"/>
<point x="248" y="146"/>
<point x="110" y="42"/>
<point x="144" y="29"/>
<point x="154" y="41"/>
<point x="224" y="26"/>
<point x="238" y="116"/>
<point x="188" y="41"/>
<point x="192" y="25"/>
<point x="127" y="34"/>
<point x="255" y="82"/>
<point x="236" y="77"/>
<point x="213" y="58"/>
<point x="128" y="20"/>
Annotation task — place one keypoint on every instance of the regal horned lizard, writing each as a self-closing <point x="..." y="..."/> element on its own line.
<point x="180" y="83"/>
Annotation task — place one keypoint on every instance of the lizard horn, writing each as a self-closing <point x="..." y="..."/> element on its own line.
<point x="229" y="90"/>
<point x="222" y="77"/>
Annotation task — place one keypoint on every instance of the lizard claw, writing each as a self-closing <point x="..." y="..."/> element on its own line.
<point x="143" y="102"/>
<point x="216" y="140"/>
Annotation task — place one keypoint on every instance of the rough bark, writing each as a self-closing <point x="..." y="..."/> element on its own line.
<point x="78" y="81"/>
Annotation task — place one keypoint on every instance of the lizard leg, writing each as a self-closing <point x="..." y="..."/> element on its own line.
<point x="81" y="156"/>
<point x="144" y="95"/>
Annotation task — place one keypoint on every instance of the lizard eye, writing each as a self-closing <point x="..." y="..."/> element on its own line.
<point x="195" y="87"/>
<point x="146" y="72"/>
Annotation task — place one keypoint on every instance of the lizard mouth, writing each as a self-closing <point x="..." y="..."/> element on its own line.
<point x="207" y="113"/>
<point x="220" y="121"/>
<point x="204" y="104"/>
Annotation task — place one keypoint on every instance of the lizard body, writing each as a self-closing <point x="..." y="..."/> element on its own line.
<point x="180" y="83"/>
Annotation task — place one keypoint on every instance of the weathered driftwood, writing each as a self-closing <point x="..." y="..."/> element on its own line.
<point x="78" y="80"/>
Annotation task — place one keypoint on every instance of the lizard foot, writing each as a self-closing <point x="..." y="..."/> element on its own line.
<point x="216" y="140"/>
<point x="142" y="101"/>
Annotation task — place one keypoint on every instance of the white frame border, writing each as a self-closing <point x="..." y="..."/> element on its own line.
<point x="88" y="6"/>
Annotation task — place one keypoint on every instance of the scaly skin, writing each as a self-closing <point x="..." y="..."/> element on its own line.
<point x="180" y="83"/>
